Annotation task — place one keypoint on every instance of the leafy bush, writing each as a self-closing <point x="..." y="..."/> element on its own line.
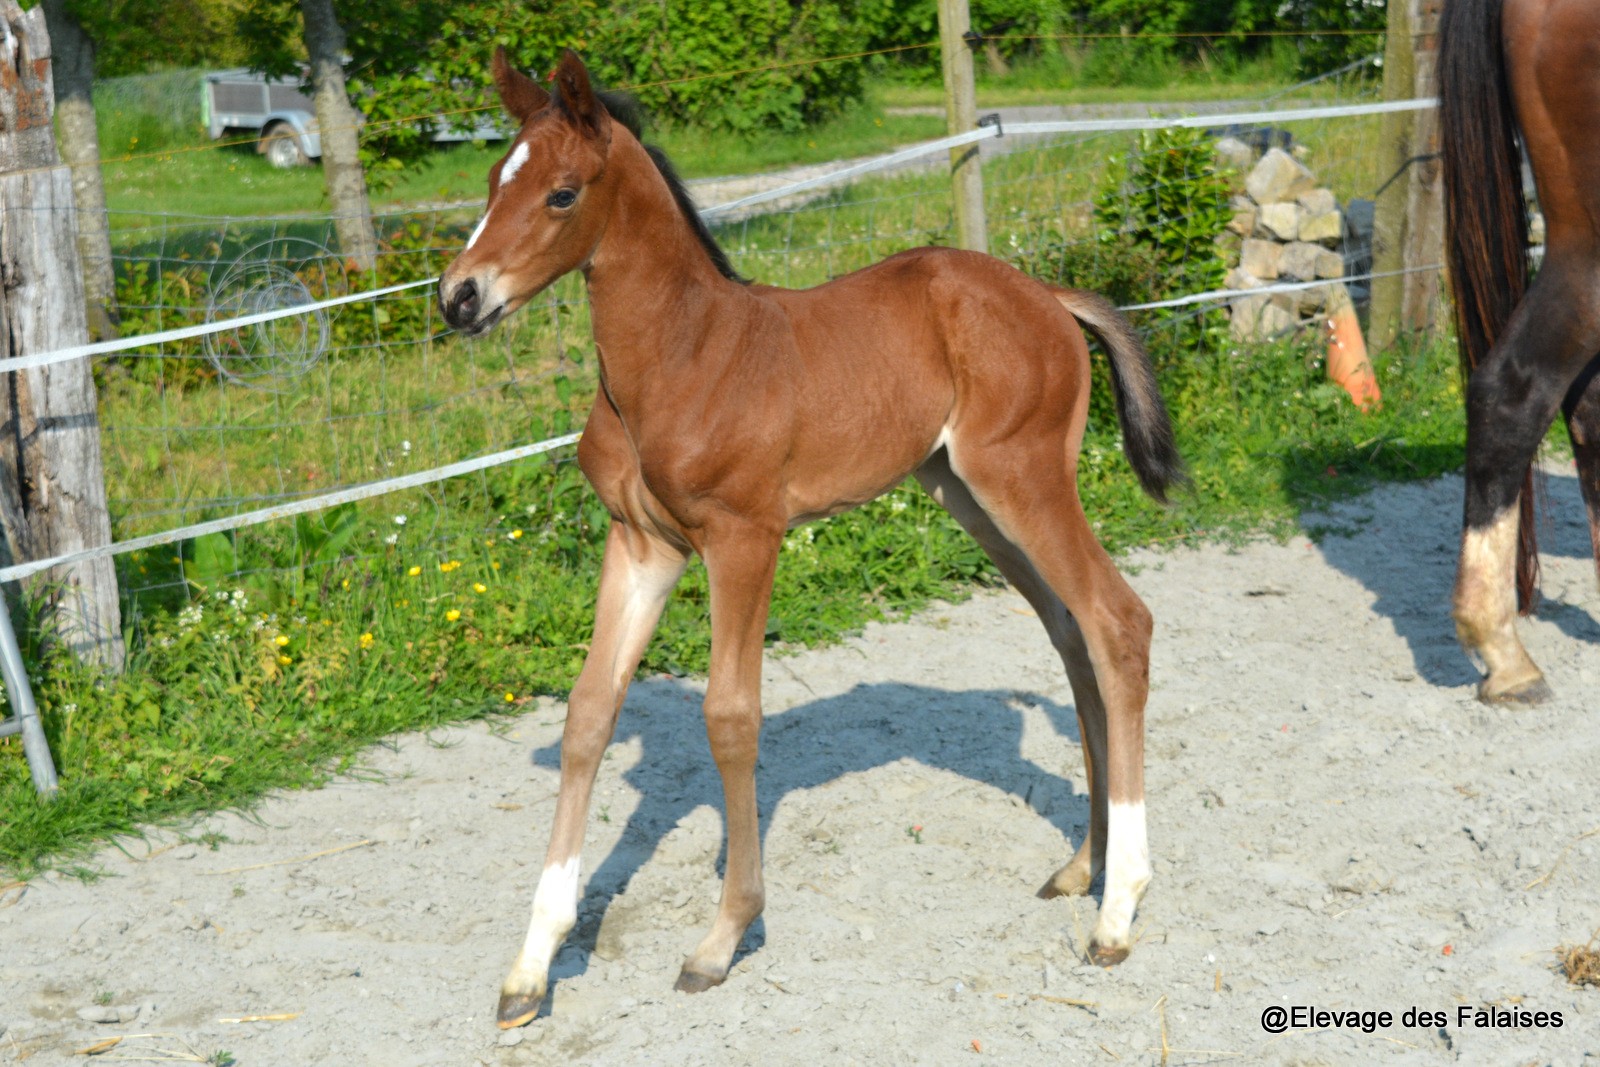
<point x="1172" y="201"/>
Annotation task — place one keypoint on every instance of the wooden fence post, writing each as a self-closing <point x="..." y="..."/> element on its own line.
<point x="1408" y="230"/>
<point x="1419" y="306"/>
<point x="961" y="115"/>
<point x="52" y="487"/>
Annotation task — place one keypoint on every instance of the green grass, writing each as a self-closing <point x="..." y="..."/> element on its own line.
<point x="1109" y="72"/>
<point x="200" y="179"/>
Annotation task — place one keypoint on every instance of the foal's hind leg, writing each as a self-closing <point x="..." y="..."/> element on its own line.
<point x="635" y="580"/>
<point x="1087" y="863"/>
<point x="1027" y="489"/>
<point x="1582" y="409"/>
<point x="1511" y="401"/>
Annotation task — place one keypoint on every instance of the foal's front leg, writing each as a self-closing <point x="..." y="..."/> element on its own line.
<point x="636" y="578"/>
<point x="740" y="564"/>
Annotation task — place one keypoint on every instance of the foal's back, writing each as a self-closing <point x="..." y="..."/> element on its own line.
<point x="886" y="363"/>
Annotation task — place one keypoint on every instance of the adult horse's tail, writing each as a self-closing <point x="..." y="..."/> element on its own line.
<point x="1146" y="427"/>
<point x="1486" y="221"/>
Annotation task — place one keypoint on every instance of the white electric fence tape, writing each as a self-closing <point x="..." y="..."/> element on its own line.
<point x="893" y="159"/>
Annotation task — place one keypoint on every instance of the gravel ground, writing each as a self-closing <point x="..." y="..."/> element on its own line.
<point x="1335" y="822"/>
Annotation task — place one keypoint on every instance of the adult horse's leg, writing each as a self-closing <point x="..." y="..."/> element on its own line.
<point x="1512" y="398"/>
<point x="741" y="560"/>
<point x="1090" y="859"/>
<point x="636" y="577"/>
<point x="1024" y="484"/>
<point x="1582" y="408"/>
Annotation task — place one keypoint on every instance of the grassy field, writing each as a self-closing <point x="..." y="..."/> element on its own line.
<point x="165" y="165"/>
<point x="268" y="658"/>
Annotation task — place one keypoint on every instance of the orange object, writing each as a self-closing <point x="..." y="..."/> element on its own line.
<point x="1348" y="365"/>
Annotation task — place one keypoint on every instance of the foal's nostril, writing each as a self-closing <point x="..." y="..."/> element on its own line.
<point x="464" y="305"/>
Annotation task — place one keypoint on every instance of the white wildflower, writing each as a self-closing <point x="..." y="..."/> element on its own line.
<point x="399" y="520"/>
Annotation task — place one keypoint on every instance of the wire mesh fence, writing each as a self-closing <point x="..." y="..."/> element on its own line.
<point x="282" y="411"/>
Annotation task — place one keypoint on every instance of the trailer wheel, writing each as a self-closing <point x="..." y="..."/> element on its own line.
<point x="281" y="146"/>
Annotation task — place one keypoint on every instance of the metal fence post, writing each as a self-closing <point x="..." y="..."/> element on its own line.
<point x="25" y="713"/>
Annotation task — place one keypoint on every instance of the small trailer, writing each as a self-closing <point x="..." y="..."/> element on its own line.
<point x="284" y="119"/>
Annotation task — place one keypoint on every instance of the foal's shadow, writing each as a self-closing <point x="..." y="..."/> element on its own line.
<point x="979" y="738"/>
<point x="1407" y="557"/>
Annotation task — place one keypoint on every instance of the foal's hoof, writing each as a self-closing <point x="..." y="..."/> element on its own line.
<point x="695" y="982"/>
<point x="1527" y="693"/>
<point x="1107" y="955"/>
<point x="518" y="1009"/>
<point x="1069" y="881"/>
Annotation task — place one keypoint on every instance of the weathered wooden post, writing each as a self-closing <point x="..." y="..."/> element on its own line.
<point x="52" y="487"/>
<point x="961" y="115"/>
<point x="1408" y="231"/>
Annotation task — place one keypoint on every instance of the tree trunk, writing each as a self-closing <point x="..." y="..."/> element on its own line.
<point x="72" y="67"/>
<point x="52" y="487"/>
<point x="337" y="125"/>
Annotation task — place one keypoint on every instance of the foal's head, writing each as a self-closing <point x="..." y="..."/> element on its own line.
<point x="549" y="198"/>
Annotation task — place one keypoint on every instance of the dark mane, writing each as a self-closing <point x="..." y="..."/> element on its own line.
<point x="626" y="110"/>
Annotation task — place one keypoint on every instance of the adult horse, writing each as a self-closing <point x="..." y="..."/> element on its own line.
<point x="730" y="412"/>
<point x="1528" y="67"/>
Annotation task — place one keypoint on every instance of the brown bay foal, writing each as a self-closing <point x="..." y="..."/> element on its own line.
<point x="730" y="412"/>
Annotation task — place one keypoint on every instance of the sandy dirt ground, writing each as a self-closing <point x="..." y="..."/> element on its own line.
<point x="1335" y="823"/>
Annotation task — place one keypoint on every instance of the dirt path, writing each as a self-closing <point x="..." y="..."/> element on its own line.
<point x="1335" y="822"/>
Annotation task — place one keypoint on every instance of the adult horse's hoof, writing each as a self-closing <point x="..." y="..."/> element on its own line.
<point x="1527" y="692"/>
<point x="1107" y="955"/>
<point x="695" y="982"/>
<point x="518" y="1009"/>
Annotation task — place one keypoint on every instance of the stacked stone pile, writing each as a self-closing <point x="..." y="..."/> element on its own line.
<point x="1290" y="230"/>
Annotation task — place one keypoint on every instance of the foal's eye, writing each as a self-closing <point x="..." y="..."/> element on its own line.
<point x="562" y="198"/>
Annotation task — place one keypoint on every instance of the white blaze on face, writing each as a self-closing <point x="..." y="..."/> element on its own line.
<point x="1127" y="872"/>
<point x="478" y="232"/>
<point x="555" y="911"/>
<point x="513" y="163"/>
<point x="508" y="170"/>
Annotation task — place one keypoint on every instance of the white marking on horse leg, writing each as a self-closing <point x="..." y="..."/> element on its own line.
<point x="1127" y="875"/>
<point x="513" y="163"/>
<point x="478" y="232"/>
<point x="555" y="912"/>
<point x="1485" y="605"/>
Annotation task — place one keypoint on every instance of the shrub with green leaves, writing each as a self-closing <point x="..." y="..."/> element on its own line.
<point x="1171" y="200"/>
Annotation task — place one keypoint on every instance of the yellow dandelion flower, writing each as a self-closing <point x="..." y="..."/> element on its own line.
<point x="510" y="698"/>
<point x="366" y="640"/>
<point x="515" y="534"/>
<point x="281" y="640"/>
<point x="494" y="565"/>
<point x="345" y="584"/>
<point x="285" y="660"/>
<point x="452" y="615"/>
<point x="479" y="587"/>
<point x="414" y="571"/>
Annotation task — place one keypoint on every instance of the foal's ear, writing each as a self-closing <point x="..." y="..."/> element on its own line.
<point x="520" y="95"/>
<point x="578" y="98"/>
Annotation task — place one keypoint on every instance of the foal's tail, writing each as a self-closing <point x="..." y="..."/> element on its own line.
<point x="1146" y="428"/>
<point x="1485" y="220"/>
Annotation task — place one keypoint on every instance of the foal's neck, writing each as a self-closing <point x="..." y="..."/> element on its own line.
<point x="652" y="287"/>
